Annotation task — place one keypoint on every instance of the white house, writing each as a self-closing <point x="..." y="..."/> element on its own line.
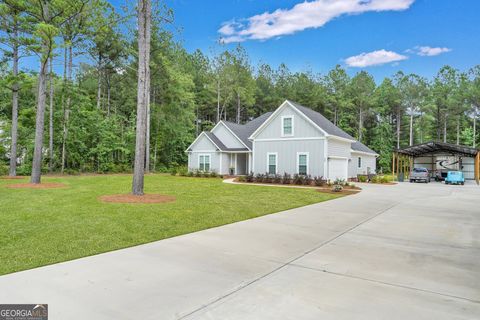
<point x="292" y="139"/>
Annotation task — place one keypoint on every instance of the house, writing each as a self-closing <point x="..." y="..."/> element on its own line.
<point x="292" y="139"/>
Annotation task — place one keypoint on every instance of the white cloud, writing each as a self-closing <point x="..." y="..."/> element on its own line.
<point x="305" y="15"/>
<point x="429" y="51"/>
<point x="374" y="58"/>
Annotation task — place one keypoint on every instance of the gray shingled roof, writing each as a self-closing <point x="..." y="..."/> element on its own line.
<point x="244" y="131"/>
<point x="322" y="122"/>
<point x="358" y="146"/>
<point x="220" y="144"/>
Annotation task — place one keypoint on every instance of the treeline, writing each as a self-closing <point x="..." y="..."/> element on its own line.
<point x="88" y="61"/>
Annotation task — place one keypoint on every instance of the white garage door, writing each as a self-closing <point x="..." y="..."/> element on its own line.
<point x="337" y="169"/>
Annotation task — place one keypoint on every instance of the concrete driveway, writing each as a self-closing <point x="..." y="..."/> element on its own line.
<point x="410" y="251"/>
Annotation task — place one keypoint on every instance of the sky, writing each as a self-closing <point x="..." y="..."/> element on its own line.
<point x="379" y="36"/>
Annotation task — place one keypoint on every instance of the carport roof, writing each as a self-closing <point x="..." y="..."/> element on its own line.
<point x="429" y="147"/>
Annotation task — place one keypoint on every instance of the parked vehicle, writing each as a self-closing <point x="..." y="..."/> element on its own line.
<point x="440" y="175"/>
<point x="420" y="174"/>
<point x="455" y="177"/>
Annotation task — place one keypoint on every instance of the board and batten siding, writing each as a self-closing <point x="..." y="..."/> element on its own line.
<point x="203" y="146"/>
<point x="367" y="162"/>
<point x="339" y="148"/>
<point x="287" y="151"/>
<point x="301" y="127"/>
<point x="228" y="139"/>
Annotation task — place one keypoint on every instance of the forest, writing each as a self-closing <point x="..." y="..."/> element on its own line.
<point x="86" y="57"/>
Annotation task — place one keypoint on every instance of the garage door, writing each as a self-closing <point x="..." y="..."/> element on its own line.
<point x="337" y="169"/>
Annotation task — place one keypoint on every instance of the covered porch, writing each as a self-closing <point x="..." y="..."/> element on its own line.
<point x="237" y="163"/>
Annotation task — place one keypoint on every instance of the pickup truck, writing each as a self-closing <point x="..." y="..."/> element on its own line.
<point x="420" y="174"/>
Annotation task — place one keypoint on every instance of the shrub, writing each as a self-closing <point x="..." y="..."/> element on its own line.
<point x="242" y="179"/>
<point x="220" y="176"/>
<point x="72" y="172"/>
<point x="287" y="178"/>
<point x="24" y="170"/>
<point x="362" y="178"/>
<point x="173" y="171"/>
<point x="182" y="171"/>
<point x="250" y="177"/>
<point x="319" y="181"/>
<point x="190" y="173"/>
<point x="277" y="178"/>
<point x="259" y="178"/>
<point x="3" y="170"/>
<point x="198" y="173"/>
<point x="340" y="182"/>
<point x="213" y="174"/>
<point x="375" y="179"/>
<point x="308" y="180"/>
<point x="337" y="188"/>
<point x="268" y="178"/>
<point x="298" y="179"/>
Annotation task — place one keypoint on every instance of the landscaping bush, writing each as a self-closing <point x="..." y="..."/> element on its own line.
<point x="384" y="179"/>
<point x="298" y="179"/>
<point x="24" y="170"/>
<point x="340" y="182"/>
<point x="319" y="181"/>
<point x="182" y="171"/>
<point x="307" y="180"/>
<point x="362" y="179"/>
<point x="287" y="178"/>
<point x="190" y="173"/>
<point x="213" y="174"/>
<point x="267" y="178"/>
<point x="173" y="171"/>
<point x="375" y="179"/>
<point x="259" y="178"/>
<point x="242" y="179"/>
<point x="277" y="178"/>
<point x="250" y="177"/>
<point x="337" y="188"/>
<point x="198" y="173"/>
<point x="3" y="170"/>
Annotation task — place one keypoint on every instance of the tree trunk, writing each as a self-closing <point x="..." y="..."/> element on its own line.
<point x="50" y="119"/>
<point x="15" y="89"/>
<point x="239" y="108"/>
<point x="335" y="115"/>
<point x="458" y="130"/>
<point x="144" y="22"/>
<point x="411" y="128"/>
<point x="445" y="129"/>
<point x="147" y="139"/>
<point x="67" y="109"/>
<point x="475" y="128"/>
<point x="108" y="93"/>
<point x="40" y="117"/>
<point x="438" y="123"/>
<point x="218" y="101"/>
<point x="99" y="82"/>
<point x="360" y="125"/>
<point x="399" y="115"/>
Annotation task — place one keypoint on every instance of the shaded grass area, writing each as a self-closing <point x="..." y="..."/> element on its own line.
<point x="45" y="226"/>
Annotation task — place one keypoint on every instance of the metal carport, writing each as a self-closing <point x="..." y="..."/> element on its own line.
<point x="403" y="160"/>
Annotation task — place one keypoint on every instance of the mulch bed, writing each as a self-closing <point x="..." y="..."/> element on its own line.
<point x="130" y="198"/>
<point x="344" y="192"/>
<point x="44" y="185"/>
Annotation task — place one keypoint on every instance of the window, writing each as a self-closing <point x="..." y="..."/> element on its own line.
<point x="287" y="126"/>
<point x="272" y="163"/>
<point x="204" y="162"/>
<point x="359" y="162"/>
<point x="302" y="161"/>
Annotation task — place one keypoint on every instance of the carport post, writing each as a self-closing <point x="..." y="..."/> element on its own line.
<point x="477" y="168"/>
<point x="393" y="165"/>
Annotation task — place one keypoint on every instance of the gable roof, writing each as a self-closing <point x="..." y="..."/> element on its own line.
<point x="244" y="131"/>
<point x="322" y="122"/>
<point x="358" y="146"/>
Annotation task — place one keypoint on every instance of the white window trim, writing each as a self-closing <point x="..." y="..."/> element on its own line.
<point x="298" y="161"/>
<point x="359" y="162"/>
<point x="283" y="127"/>
<point x="268" y="162"/>
<point x="209" y="161"/>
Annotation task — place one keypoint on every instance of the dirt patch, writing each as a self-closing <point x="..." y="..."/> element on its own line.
<point x="44" y="185"/>
<point x="130" y="198"/>
<point x="12" y="178"/>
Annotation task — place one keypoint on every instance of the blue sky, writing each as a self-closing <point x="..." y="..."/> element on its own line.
<point x="320" y="34"/>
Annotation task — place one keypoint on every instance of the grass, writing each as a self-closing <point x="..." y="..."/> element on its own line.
<point x="44" y="226"/>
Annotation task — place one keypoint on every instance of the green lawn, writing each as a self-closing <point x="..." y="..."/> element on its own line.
<point x="40" y="227"/>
